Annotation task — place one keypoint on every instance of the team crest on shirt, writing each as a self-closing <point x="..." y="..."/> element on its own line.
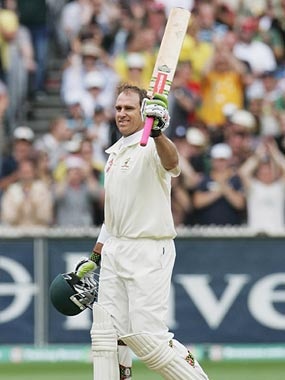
<point x="126" y="163"/>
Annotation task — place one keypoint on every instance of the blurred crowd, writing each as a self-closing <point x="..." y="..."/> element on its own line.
<point x="227" y="107"/>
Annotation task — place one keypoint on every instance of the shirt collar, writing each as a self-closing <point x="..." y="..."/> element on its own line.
<point x="124" y="142"/>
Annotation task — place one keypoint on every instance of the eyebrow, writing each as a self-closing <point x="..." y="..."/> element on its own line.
<point x="128" y="107"/>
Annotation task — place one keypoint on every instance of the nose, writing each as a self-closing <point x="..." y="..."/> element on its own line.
<point x="121" y="112"/>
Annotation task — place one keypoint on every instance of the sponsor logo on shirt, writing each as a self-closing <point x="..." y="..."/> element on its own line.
<point x="109" y="165"/>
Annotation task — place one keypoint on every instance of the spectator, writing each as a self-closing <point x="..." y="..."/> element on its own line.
<point x="91" y="34"/>
<point x="278" y="20"/>
<point x="269" y="32"/>
<point x="193" y="149"/>
<point x="17" y="59"/>
<point x="222" y="83"/>
<point x="34" y="16"/>
<point x="76" y="119"/>
<point x="135" y="74"/>
<point x="219" y="199"/>
<point x="225" y="15"/>
<point x="87" y="153"/>
<point x="209" y="29"/>
<point x="254" y="106"/>
<point x="156" y="19"/>
<point x="22" y="149"/>
<point x="72" y="149"/>
<point x="280" y="138"/>
<point x="184" y="98"/>
<point x="99" y="133"/>
<point x="74" y="196"/>
<point x="91" y="58"/>
<point x="55" y="8"/>
<point x="263" y="176"/>
<point x="125" y="24"/>
<point x="77" y="65"/>
<point x="4" y="103"/>
<point x="258" y="55"/>
<point x="43" y="170"/>
<point x="140" y="53"/>
<point x="193" y="165"/>
<point x="138" y="9"/>
<point x="94" y="95"/>
<point x="74" y="15"/>
<point x="195" y="50"/>
<point x="96" y="167"/>
<point x="181" y="202"/>
<point x="273" y="102"/>
<point x="248" y="7"/>
<point x="228" y="110"/>
<point x="103" y="13"/>
<point x="28" y="201"/>
<point x="53" y="142"/>
<point x="240" y="136"/>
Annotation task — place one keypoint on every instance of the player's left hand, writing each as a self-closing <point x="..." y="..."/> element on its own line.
<point x="85" y="268"/>
<point x="156" y="108"/>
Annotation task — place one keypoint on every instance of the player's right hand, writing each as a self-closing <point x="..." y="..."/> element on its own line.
<point x="85" y="268"/>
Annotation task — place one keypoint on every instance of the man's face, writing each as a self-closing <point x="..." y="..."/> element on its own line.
<point x="246" y="35"/>
<point x="239" y="138"/>
<point x="22" y="149"/>
<point x="128" y="114"/>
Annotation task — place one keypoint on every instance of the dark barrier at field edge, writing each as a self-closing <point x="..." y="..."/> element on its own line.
<point x="225" y="289"/>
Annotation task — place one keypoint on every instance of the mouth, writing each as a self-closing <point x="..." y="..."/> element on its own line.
<point x="123" y="122"/>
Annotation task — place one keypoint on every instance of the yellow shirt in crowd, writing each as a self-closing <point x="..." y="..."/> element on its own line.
<point x="219" y="88"/>
<point x="198" y="52"/>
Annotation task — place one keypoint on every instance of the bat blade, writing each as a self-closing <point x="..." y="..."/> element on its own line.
<point x="166" y="61"/>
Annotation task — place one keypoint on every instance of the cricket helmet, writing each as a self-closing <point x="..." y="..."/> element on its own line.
<point x="71" y="295"/>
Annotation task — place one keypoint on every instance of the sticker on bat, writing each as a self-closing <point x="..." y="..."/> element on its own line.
<point x="164" y="69"/>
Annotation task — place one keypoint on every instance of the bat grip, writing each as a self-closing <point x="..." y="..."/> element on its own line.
<point x="146" y="130"/>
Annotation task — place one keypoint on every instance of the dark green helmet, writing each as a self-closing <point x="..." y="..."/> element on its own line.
<point x="70" y="295"/>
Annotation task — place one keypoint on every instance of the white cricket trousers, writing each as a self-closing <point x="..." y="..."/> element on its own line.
<point x="135" y="280"/>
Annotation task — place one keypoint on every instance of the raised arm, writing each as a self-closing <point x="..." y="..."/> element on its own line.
<point x="167" y="152"/>
<point x="157" y="107"/>
<point x="277" y="156"/>
<point x="248" y="168"/>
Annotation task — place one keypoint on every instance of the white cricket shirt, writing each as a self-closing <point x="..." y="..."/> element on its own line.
<point x="265" y="205"/>
<point x="137" y="191"/>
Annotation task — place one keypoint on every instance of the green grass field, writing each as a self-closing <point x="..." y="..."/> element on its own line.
<point x="267" y="370"/>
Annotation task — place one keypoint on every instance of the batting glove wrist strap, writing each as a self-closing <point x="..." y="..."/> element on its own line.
<point x="155" y="132"/>
<point x="96" y="257"/>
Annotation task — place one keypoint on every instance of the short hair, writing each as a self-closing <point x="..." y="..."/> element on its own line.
<point x="126" y="87"/>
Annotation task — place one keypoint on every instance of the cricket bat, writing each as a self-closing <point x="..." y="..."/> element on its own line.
<point x="166" y="61"/>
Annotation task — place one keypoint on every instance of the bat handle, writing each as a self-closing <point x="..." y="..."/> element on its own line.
<point x="146" y="130"/>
